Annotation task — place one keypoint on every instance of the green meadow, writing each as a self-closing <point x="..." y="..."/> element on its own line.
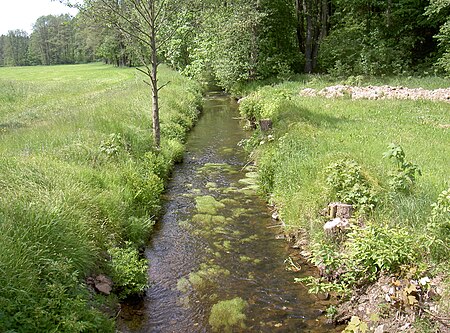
<point x="80" y="184"/>
<point x="325" y="150"/>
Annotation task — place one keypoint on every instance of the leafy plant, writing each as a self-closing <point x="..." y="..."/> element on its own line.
<point x="404" y="178"/>
<point x="128" y="271"/>
<point x="438" y="227"/>
<point x="113" y="145"/>
<point x="356" y="325"/>
<point x="321" y="285"/>
<point x="349" y="185"/>
<point x="372" y="249"/>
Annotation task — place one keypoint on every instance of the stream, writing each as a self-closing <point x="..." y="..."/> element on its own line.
<point x="217" y="242"/>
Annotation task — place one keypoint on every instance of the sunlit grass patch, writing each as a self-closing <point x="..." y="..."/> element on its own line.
<point x="78" y="177"/>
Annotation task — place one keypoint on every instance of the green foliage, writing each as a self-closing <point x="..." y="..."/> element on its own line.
<point x="349" y="185"/>
<point x="266" y="172"/>
<point x="137" y="230"/>
<point x="145" y="188"/>
<point x="374" y="249"/>
<point x="356" y="326"/>
<point x="365" y="254"/>
<point x="404" y="179"/>
<point x="226" y="315"/>
<point x="63" y="200"/>
<point x="128" y="271"/>
<point x="52" y="298"/>
<point x="438" y="12"/>
<point x="322" y="285"/>
<point x="438" y="228"/>
<point x="113" y="145"/>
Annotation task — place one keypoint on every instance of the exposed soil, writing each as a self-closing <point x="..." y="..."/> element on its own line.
<point x="391" y="304"/>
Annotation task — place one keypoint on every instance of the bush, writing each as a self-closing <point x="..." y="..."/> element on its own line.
<point x="128" y="271"/>
<point x="404" y="178"/>
<point x="137" y="230"/>
<point x="374" y="249"/>
<point x="348" y="184"/>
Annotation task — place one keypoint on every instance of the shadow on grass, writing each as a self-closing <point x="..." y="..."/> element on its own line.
<point x="290" y="113"/>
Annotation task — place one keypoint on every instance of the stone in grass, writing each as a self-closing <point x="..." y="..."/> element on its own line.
<point x="103" y="284"/>
<point x="226" y="315"/>
<point x="336" y="226"/>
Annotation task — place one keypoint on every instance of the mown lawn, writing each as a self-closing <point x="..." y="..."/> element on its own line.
<point x="79" y="179"/>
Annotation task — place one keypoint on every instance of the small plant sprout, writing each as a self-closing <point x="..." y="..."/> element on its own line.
<point x="404" y="178"/>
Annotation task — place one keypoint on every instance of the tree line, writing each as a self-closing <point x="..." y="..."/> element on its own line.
<point x="234" y="41"/>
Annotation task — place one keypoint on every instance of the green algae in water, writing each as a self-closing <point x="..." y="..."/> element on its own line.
<point x="184" y="224"/>
<point x="247" y="191"/>
<point x="249" y="239"/>
<point x="229" y="202"/>
<point x="218" y="167"/>
<point x="240" y="211"/>
<point x="248" y="181"/>
<point x="225" y="315"/>
<point x="196" y="280"/>
<point x="227" y="245"/>
<point x="206" y="275"/>
<point x="211" y="185"/>
<point x="227" y="150"/>
<point x="253" y="175"/>
<point x="223" y="246"/>
<point x="183" y="285"/>
<point x="208" y="219"/>
<point x="248" y="259"/>
<point x="245" y="259"/>
<point x="208" y="205"/>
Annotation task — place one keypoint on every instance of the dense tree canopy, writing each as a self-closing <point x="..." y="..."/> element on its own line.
<point x="240" y="40"/>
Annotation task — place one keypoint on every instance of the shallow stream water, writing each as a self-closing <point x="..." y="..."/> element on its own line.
<point x="217" y="242"/>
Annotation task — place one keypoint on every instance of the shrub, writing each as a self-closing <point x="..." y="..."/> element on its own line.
<point x="372" y="249"/>
<point x="128" y="271"/>
<point x="348" y="184"/>
<point x="404" y="178"/>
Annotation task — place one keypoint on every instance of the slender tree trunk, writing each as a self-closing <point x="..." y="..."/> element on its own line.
<point x="154" y="83"/>
<point x="307" y="8"/>
<point x="300" y="25"/>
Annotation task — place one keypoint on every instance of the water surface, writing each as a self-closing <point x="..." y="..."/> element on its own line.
<point x="216" y="242"/>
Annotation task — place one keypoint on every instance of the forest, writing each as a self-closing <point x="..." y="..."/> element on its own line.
<point x="239" y="41"/>
<point x="156" y="155"/>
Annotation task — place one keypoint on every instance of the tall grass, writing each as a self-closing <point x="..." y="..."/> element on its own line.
<point x="311" y="133"/>
<point x="78" y="176"/>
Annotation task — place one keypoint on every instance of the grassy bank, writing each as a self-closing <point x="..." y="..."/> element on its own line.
<point x="79" y="186"/>
<point x="323" y="150"/>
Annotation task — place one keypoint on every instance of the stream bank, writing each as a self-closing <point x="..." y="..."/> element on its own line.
<point x="215" y="261"/>
<point x="391" y="253"/>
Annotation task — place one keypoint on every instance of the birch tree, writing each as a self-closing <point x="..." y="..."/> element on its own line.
<point x="140" y="22"/>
